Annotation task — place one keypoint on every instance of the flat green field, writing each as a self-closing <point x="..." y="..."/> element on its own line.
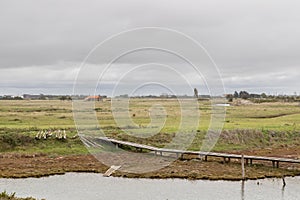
<point x="58" y="114"/>
<point x="245" y="126"/>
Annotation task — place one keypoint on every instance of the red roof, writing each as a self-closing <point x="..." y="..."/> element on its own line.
<point x="92" y="98"/>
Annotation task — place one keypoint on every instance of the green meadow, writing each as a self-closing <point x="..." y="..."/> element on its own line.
<point x="246" y="126"/>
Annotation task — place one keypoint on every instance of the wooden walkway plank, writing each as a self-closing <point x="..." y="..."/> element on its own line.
<point x="111" y="170"/>
<point x="275" y="161"/>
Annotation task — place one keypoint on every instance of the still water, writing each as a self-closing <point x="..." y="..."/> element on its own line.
<point x="81" y="186"/>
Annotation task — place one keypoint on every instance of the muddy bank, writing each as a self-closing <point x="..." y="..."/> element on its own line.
<point x="38" y="165"/>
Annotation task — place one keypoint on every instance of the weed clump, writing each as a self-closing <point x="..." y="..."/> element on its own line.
<point x="5" y="196"/>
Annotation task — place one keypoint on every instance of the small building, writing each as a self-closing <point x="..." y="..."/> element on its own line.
<point x="94" y="98"/>
<point x="32" y="96"/>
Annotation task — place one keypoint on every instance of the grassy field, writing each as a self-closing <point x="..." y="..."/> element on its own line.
<point x="246" y="126"/>
<point x="58" y="114"/>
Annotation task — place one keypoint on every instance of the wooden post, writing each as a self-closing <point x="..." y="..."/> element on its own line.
<point x="181" y="156"/>
<point x="243" y="167"/>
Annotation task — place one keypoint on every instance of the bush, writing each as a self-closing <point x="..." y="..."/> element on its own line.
<point x="12" y="140"/>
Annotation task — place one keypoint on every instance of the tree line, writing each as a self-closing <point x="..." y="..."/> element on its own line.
<point x="262" y="97"/>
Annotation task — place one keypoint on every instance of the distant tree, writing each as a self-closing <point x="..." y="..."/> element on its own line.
<point x="236" y="95"/>
<point x="124" y="96"/>
<point x="69" y="98"/>
<point x="263" y="95"/>
<point x="255" y="96"/>
<point x="196" y="95"/>
<point x="62" y="98"/>
<point x="244" y="95"/>
<point x="18" y="98"/>
<point x="42" y="97"/>
<point x="229" y="97"/>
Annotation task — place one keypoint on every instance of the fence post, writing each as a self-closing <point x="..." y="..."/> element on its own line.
<point x="243" y="167"/>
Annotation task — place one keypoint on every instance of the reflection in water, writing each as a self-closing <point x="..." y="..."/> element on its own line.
<point x="243" y="190"/>
<point x="282" y="192"/>
<point x="283" y="187"/>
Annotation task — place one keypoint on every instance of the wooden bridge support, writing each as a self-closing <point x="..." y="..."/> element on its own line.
<point x="249" y="162"/>
<point x="226" y="160"/>
<point x="275" y="164"/>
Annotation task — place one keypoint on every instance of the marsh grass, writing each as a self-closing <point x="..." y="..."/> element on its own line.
<point x="23" y="140"/>
<point x="5" y="196"/>
<point x="246" y="126"/>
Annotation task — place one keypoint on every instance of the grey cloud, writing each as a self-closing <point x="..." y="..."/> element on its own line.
<point x="255" y="41"/>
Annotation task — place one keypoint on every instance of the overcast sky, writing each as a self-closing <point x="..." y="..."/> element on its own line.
<point x="254" y="43"/>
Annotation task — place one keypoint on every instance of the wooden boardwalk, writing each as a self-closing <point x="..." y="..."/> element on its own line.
<point x="204" y="155"/>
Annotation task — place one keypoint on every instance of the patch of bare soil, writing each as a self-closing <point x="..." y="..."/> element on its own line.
<point x="282" y="152"/>
<point x="274" y="116"/>
<point x="22" y="166"/>
<point x="142" y="165"/>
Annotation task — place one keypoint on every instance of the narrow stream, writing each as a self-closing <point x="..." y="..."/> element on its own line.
<point x="82" y="186"/>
